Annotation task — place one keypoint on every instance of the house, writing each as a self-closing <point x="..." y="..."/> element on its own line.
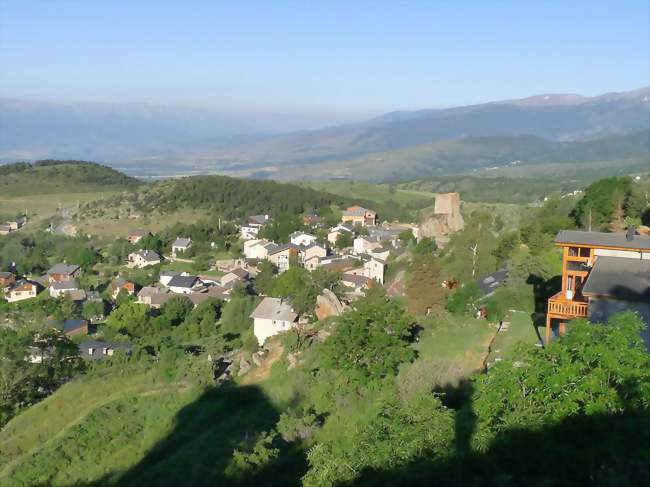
<point x="253" y="225"/>
<point x="312" y="221"/>
<point x="602" y="273"/>
<point x="63" y="272"/>
<point x="20" y="290"/>
<point x="145" y="294"/>
<point x="375" y="269"/>
<point x="365" y="244"/>
<point x="284" y="256"/>
<point x="313" y="250"/>
<point x="302" y="238"/>
<point x="181" y="284"/>
<point x="271" y="317"/>
<point x="76" y="326"/>
<point x="143" y="258"/>
<point x="59" y="288"/>
<point x="181" y="245"/>
<point x="6" y="280"/>
<point x="358" y="215"/>
<point x="120" y="284"/>
<point x="312" y="263"/>
<point x="256" y="249"/>
<point x="236" y="275"/>
<point x="137" y="235"/>
<point x="98" y="350"/>
<point x="334" y="233"/>
<point x="356" y="282"/>
<point x="165" y="276"/>
<point x="5" y="229"/>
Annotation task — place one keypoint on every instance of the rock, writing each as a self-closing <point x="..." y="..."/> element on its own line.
<point x="327" y="304"/>
<point x="292" y="358"/>
<point x="244" y="366"/>
<point x="257" y="360"/>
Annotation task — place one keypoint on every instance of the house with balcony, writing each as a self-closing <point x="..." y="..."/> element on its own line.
<point x="602" y="274"/>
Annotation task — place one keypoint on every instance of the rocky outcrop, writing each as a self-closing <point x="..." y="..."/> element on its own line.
<point x="327" y="304"/>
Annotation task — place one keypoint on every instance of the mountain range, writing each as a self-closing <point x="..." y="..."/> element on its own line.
<point x="547" y="128"/>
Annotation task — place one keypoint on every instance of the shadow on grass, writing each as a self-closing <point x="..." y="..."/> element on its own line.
<point x="207" y="432"/>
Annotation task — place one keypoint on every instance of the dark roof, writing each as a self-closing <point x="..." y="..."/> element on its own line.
<point x="619" y="278"/>
<point x="489" y="284"/>
<point x="94" y="350"/>
<point x="182" y="242"/>
<point x="71" y="284"/>
<point x="239" y="272"/>
<point x="149" y="255"/>
<point x="65" y="269"/>
<point x="182" y="281"/>
<point x="5" y="275"/>
<point x="140" y="232"/>
<point x="280" y="248"/>
<point x="258" y="219"/>
<point x="74" y="324"/>
<point x="601" y="239"/>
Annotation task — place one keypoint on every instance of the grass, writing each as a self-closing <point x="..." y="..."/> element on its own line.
<point x="520" y="330"/>
<point x="43" y="206"/>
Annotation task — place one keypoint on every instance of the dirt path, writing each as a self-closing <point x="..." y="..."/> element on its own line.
<point x="261" y="373"/>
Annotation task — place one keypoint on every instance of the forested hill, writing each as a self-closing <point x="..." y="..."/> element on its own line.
<point x="235" y="198"/>
<point x="51" y="176"/>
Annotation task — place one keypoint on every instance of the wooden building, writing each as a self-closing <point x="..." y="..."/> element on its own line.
<point x="602" y="273"/>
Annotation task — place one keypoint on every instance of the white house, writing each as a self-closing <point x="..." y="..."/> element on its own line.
<point x="375" y="269"/>
<point x="21" y="290"/>
<point x="181" y="245"/>
<point x="59" y="288"/>
<point x="185" y="284"/>
<point x="364" y="245"/>
<point x="313" y="250"/>
<point x="271" y="317"/>
<point x="165" y="276"/>
<point x="302" y="238"/>
<point x="236" y="275"/>
<point x="143" y="258"/>
<point x="256" y="249"/>
<point x="253" y="225"/>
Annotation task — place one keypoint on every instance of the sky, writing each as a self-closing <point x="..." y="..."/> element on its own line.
<point x="344" y="57"/>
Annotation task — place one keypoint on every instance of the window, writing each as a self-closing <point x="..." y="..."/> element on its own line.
<point x="573" y="251"/>
<point x="585" y="252"/>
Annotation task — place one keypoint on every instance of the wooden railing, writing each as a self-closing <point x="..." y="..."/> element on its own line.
<point x="559" y="305"/>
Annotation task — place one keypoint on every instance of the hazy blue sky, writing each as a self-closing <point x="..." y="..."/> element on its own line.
<point x="319" y="56"/>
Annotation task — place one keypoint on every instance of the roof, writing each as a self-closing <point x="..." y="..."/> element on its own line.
<point x="356" y="211"/>
<point x="98" y="348"/>
<point x="239" y="272"/>
<point x="357" y="280"/>
<point x="60" y="285"/>
<point x="274" y="309"/>
<point x="619" y="278"/>
<point x="77" y="295"/>
<point x="342" y="263"/>
<point x="149" y="255"/>
<point x="65" y="269"/>
<point x="282" y="248"/>
<point x="601" y="239"/>
<point x="169" y="273"/>
<point x="489" y="284"/>
<point x="148" y="291"/>
<point x="258" y="219"/>
<point x="182" y="242"/>
<point x="182" y="281"/>
<point x="74" y="324"/>
<point x="120" y="282"/>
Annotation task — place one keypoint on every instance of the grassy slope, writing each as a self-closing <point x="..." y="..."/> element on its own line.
<point x="381" y="193"/>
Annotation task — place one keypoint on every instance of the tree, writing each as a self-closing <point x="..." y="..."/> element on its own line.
<point x="93" y="310"/>
<point x="602" y="203"/>
<point x="176" y="309"/>
<point x="130" y="318"/>
<point x="371" y="340"/>
<point x="470" y="253"/>
<point x="264" y="278"/>
<point x="424" y="291"/>
<point x="463" y="300"/>
<point x="344" y="240"/>
<point x="506" y="246"/>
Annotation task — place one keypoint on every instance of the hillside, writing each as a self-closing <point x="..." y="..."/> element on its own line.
<point x="52" y="177"/>
<point x="473" y="154"/>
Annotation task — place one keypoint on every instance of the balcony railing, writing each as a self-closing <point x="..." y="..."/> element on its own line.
<point x="559" y="305"/>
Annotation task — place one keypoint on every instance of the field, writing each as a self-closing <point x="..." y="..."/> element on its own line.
<point x="40" y="207"/>
<point x="381" y="193"/>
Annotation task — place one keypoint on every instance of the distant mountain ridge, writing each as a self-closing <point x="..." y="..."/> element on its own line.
<point x="153" y="140"/>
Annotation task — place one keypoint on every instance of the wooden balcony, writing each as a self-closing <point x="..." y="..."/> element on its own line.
<point x="560" y="306"/>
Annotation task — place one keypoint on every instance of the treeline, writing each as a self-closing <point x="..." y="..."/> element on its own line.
<point x="231" y="198"/>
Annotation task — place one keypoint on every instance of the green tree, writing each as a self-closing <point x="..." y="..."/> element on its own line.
<point x="130" y="318"/>
<point x="344" y="240"/>
<point x="176" y="309"/>
<point x="371" y="340"/>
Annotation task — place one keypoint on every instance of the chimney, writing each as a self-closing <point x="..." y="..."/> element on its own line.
<point x="631" y="231"/>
